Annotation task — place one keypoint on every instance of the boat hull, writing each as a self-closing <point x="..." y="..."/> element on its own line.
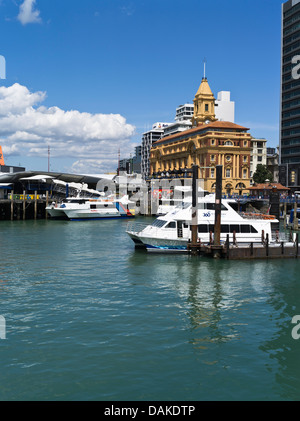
<point x="152" y="244"/>
<point x="97" y="218"/>
<point x="56" y="213"/>
<point x="163" y="244"/>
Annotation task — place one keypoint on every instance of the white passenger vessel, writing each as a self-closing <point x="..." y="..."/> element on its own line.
<point x="173" y="230"/>
<point x="80" y="208"/>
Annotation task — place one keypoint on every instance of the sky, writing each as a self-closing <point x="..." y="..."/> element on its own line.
<point x="85" y="79"/>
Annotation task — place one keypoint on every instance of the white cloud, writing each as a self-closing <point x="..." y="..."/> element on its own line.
<point x="27" y="14"/>
<point x="28" y="128"/>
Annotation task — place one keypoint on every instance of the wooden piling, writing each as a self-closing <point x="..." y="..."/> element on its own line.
<point x="24" y="205"/>
<point x="194" y="244"/>
<point x="227" y="246"/>
<point x="35" y="204"/>
<point x="47" y="202"/>
<point x="295" y="216"/>
<point x="217" y="228"/>
<point x="12" y="206"/>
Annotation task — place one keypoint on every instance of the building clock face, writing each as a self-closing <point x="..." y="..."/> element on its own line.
<point x="207" y="121"/>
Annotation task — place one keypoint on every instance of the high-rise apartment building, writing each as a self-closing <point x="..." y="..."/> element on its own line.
<point x="289" y="145"/>
<point x="150" y="137"/>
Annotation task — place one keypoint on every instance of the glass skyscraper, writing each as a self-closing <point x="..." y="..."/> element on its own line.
<point x="289" y="147"/>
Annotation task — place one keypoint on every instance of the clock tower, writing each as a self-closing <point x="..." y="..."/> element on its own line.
<point x="204" y="105"/>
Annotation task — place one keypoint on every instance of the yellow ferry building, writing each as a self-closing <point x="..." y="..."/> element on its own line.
<point x="208" y="143"/>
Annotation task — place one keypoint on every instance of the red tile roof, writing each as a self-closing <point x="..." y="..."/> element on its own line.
<point x="212" y="125"/>
<point x="268" y="186"/>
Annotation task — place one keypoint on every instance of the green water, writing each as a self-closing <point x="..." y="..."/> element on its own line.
<point x="90" y="318"/>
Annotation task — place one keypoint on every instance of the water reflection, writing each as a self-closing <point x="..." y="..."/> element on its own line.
<point x="237" y="314"/>
<point x="281" y="347"/>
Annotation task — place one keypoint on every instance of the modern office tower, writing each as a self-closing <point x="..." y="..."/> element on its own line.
<point x="224" y="108"/>
<point x="289" y="145"/>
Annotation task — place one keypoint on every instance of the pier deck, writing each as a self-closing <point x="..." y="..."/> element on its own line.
<point x="280" y="250"/>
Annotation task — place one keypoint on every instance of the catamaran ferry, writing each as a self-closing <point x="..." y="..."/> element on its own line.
<point x="173" y="230"/>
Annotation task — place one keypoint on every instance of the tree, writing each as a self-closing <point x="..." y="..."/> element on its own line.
<point x="262" y="174"/>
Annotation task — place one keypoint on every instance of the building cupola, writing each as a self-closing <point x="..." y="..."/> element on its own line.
<point x="204" y="105"/>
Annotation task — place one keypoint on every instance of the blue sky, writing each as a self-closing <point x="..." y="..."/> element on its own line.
<point x="89" y="77"/>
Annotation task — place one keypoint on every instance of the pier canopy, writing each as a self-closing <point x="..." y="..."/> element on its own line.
<point x="61" y="183"/>
<point x="90" y="179"/>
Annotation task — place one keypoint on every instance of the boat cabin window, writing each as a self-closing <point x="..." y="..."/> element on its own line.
<point x="158" y="223"/>
<point x="227" y="228"/>
<point x="202" y="228"/>
<point x="224" y="228"/>
<point x="171" y="224"/>
<point x="100" y="206"/>
<point x="211" y="228"/>
<point x="74" y="201"/>
<point x="212" y="206"/>
<point x="235" y="228"/>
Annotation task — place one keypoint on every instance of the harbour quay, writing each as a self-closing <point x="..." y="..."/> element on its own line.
<point x="26" y="194"/>
<point x="23" y="206"/>
<point x="265" y="250"/>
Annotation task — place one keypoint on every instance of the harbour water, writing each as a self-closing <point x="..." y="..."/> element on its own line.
<point x="90" y="318"/>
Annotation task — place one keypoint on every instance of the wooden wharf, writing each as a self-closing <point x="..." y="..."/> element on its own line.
<point x="264" y="250"/>
<point x="24" y="206"/>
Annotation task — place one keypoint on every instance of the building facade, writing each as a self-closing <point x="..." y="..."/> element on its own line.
<point x="183" y="120"/>
<point x="258" y="155"/>
<point x="289" y="147"/>
<point x="207" y="144"/>
<point x="133" y="164"/>
<point x="273" y="163"/>
<point x="148" y="139"/>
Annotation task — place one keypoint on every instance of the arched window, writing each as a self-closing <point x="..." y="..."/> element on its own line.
<point x="228" y="143"/>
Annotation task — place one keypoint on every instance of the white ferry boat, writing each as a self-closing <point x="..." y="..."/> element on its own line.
<point x="173" y="230"/>
<point x="56" y="210"/>
<point x="77" y="208"/>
